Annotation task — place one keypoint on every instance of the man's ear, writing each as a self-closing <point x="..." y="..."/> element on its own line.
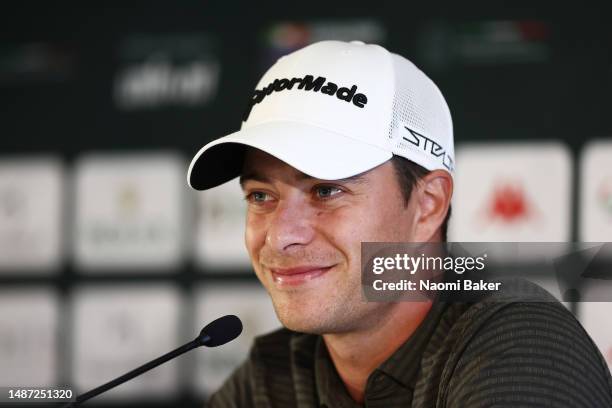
<point x="433" y="197"/>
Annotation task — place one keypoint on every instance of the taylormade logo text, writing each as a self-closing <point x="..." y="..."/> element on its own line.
<point x="308" y="83"/>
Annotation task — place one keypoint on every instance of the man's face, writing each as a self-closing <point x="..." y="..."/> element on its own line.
<point x="304" y="238"/>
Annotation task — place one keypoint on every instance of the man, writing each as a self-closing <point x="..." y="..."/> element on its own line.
<point x="344" y="143"/>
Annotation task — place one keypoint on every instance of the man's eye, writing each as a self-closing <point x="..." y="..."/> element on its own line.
<point x="327" y="191"/>
<point x="257" y="197"/>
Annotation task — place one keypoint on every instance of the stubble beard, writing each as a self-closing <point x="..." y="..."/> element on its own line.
<point x="343" y="311"/>
<point x="336" y="307"/>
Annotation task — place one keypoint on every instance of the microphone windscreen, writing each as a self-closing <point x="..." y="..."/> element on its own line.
<point x="221" y="330"/>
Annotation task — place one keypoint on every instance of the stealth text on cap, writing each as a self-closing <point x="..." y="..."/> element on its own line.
<point x="308" y="83"/>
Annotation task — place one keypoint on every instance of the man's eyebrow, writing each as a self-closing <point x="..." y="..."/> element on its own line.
<point x="358" y="178"/>
<point x="253" y="176"/>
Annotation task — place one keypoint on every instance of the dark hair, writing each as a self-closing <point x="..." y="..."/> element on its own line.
<point x="408" y="173"/>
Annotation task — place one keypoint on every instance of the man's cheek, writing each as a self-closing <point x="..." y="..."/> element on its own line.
<point x="254" y="237"/>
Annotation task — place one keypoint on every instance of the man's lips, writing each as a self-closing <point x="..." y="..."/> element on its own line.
<point x="298" y="275"/>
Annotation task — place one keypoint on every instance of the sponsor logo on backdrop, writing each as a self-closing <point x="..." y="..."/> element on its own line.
<point x="36" y="62"/>
<point x="131" y="326"/>
<point x="490" y="42"/>
<point x="506" y="196"/>
<point x="128" y="226"/>
<point x="28" y="337"/>
<point x="508" y="204"/>
<point x="171" y="70"/>
<point x="30" y="227"/>
<point x="286" y="37"/>
<point x="129" y="211"/>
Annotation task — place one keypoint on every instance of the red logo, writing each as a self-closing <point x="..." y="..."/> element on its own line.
<point x="508" y="204"/>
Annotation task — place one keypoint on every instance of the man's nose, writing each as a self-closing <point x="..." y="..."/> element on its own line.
<point x="290" y="226"/>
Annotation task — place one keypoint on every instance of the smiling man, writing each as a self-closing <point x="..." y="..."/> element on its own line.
<point x="344" y="143"/>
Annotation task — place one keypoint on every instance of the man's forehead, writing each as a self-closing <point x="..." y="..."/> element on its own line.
<point x="261" y="166"/>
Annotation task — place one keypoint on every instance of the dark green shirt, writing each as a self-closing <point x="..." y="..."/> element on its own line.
<point x="489" y="353"/>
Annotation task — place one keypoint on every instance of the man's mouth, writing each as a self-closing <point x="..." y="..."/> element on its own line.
<point x="298" y="275"/>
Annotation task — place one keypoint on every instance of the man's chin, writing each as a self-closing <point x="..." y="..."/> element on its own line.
<point x="302" y="322"/>
<point x="300" y="327"/>
<point x="311" y="323"/>
<point x="305" y="313"/>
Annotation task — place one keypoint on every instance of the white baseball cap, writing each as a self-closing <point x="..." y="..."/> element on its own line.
<point x="333" y="110"/>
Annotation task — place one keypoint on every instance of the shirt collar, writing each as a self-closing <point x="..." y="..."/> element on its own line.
<point x="404" y="364"/>
<point x="397" y="375"/>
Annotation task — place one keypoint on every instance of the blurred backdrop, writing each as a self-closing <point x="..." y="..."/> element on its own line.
<point x="108" y="259"/>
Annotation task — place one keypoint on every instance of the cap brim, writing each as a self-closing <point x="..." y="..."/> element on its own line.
<point x="313" y="150"/>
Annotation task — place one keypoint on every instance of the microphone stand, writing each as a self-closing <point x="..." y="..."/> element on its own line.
<point x="201" y="340"/>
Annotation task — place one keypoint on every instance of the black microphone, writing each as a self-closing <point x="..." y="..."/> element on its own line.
<point x="216" y="333"/>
